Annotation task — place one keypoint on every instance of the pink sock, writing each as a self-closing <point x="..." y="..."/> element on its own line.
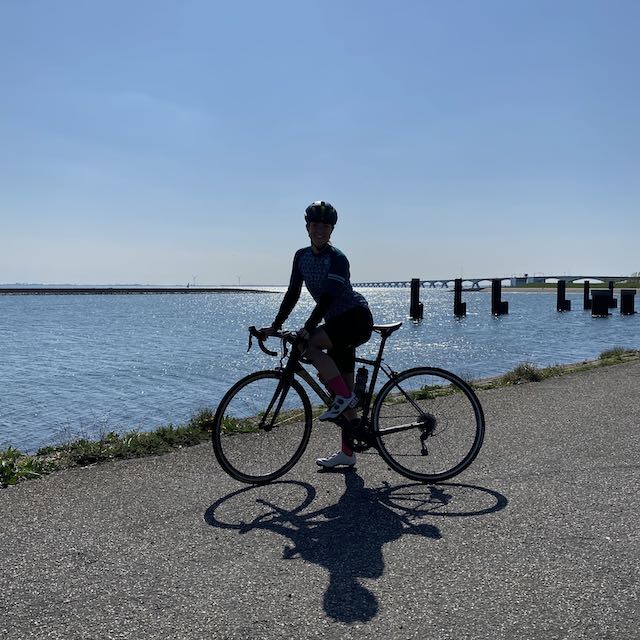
<point x="339" y="386"/>
<point x="346" y="448"/>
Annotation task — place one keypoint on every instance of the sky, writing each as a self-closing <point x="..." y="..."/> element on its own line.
<point x="173" y="142"/>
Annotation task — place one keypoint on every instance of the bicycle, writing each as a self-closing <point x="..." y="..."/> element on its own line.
<point x="426" y="423"/>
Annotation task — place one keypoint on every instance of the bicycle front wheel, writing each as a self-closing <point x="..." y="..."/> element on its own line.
<point x="261" y="427"/>
<point x="428" y="424"/>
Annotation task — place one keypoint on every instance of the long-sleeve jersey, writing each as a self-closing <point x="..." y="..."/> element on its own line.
<point x="326" y="276"/>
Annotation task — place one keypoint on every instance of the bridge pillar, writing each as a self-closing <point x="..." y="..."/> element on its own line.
<point x="459" y="307"/>
<point x="586" y="300"/>
<point x="498" y="306"/>
<point x="600" y="303"/>
<point x="627" y="301"/>
<point x="416" y="309"/>
<point x="562" y="303"/>
<point x="613" y="302"/>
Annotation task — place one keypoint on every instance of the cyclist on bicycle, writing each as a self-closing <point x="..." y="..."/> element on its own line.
<point x="331" y="346"/>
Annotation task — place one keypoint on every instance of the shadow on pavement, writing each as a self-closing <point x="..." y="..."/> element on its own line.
<point x="347" y="538"/>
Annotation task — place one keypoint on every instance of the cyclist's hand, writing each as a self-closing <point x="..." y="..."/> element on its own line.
<point x="267" y="332"/>
<point x="303" y="334"/>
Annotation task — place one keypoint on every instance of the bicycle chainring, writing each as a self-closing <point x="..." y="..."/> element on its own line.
<point x="360" y="438"/>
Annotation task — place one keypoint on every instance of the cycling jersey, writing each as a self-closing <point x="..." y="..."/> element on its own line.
<point x="327" y="278"/>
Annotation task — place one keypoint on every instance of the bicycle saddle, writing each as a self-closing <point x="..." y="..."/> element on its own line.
<point x="387" y="329"/>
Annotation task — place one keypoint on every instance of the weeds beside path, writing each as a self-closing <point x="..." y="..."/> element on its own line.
<point x="16" y="466"/>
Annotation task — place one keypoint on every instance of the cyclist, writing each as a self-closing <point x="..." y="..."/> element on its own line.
<point x="348" y="323"/>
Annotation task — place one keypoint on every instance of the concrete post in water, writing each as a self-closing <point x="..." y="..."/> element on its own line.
<point x="600" y="302"/>
<point x="563" y="304"/>
<point x="627" y="302"/>
<point x="498" y="307"/>
<point x="613" y="302"/>
<point x="416" y="309"/>
<point x="586" y="298"/>
<point x="459" y="307"/>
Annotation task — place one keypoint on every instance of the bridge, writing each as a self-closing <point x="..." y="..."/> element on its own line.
<point x="474" y="283"/>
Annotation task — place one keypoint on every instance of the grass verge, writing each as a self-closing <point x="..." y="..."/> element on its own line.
<point x="529" y="372"/>
<point x="16" y="466"/>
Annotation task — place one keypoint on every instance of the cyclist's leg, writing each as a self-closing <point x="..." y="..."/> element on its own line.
<point x="345" y="359"/>
<point x="345" y="333"/>
<point x="316" y="352"/>
<point x="339" y="336"/>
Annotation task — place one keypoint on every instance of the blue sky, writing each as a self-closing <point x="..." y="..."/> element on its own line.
<point x="158" y="142"/>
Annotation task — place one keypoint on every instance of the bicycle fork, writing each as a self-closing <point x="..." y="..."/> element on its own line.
<point x="267" y="423"/>
<point x="284" y="384"/>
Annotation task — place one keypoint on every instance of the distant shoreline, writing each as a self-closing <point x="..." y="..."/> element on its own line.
<point x="151" y="290"/>
<point x="33" y="291"/>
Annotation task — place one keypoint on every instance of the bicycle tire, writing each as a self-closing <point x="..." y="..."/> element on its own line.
<point x="244" y="448"/>
<point x="447" y="418"/>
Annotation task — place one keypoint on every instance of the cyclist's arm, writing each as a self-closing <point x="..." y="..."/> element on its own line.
<point x="318" y="312"/>
<point x="291" y="297"/>
<point x="336" y="280"/>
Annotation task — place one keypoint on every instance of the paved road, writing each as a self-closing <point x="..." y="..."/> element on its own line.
<point x="539" y="539"/>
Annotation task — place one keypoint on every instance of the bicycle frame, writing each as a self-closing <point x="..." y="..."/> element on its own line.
<point x="294" y="368"/>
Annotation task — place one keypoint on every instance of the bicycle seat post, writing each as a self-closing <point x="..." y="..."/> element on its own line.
<point x="385" y="330"/>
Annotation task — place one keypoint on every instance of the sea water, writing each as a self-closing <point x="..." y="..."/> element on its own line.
<point x="82" y="365"/>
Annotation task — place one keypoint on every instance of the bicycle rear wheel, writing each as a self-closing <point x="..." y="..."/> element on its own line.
<point x="260" y="429"/>
<point x="428" y="424"/>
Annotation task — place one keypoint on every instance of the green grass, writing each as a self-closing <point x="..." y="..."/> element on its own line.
<point x="616" y="354"/>
<point x="232" y="426"/>
<point x="524" y="372"/>
<point x="16" y="466"/>
<point x="528" y="372"/>
<point x="430" y="392"/>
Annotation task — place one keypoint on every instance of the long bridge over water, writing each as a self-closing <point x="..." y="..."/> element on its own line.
<point x="475" y="283"/>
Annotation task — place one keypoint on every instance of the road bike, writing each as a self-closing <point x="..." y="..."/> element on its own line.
<point x="426" y="423"/>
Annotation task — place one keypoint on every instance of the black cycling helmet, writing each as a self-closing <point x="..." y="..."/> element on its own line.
<point x="321" y="211"/>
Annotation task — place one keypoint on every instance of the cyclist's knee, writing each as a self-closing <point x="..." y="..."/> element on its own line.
<point x="312" y="352"/>
<point x="319" y="340"/>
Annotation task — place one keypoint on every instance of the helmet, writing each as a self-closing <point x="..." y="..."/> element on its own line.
<point x="321" y="211"/>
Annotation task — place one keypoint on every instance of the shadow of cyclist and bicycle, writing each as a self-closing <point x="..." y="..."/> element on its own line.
<point x="347" y="538"/>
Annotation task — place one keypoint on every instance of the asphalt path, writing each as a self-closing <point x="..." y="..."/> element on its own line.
<point x="538" y="539"/>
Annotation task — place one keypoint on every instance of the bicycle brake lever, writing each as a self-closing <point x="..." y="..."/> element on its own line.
<point x="253" y="332"/>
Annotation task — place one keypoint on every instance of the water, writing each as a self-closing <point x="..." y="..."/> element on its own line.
<point x="74" y="366"/>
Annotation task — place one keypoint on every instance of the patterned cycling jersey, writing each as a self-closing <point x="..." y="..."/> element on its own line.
<point x="326" y="276"/>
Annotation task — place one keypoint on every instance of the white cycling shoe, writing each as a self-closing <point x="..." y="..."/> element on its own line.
<point x="340" y="404"/>
<point x="338" y="458"/>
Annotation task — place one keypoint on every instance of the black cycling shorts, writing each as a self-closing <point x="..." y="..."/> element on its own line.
<point x="346" y="332"/>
